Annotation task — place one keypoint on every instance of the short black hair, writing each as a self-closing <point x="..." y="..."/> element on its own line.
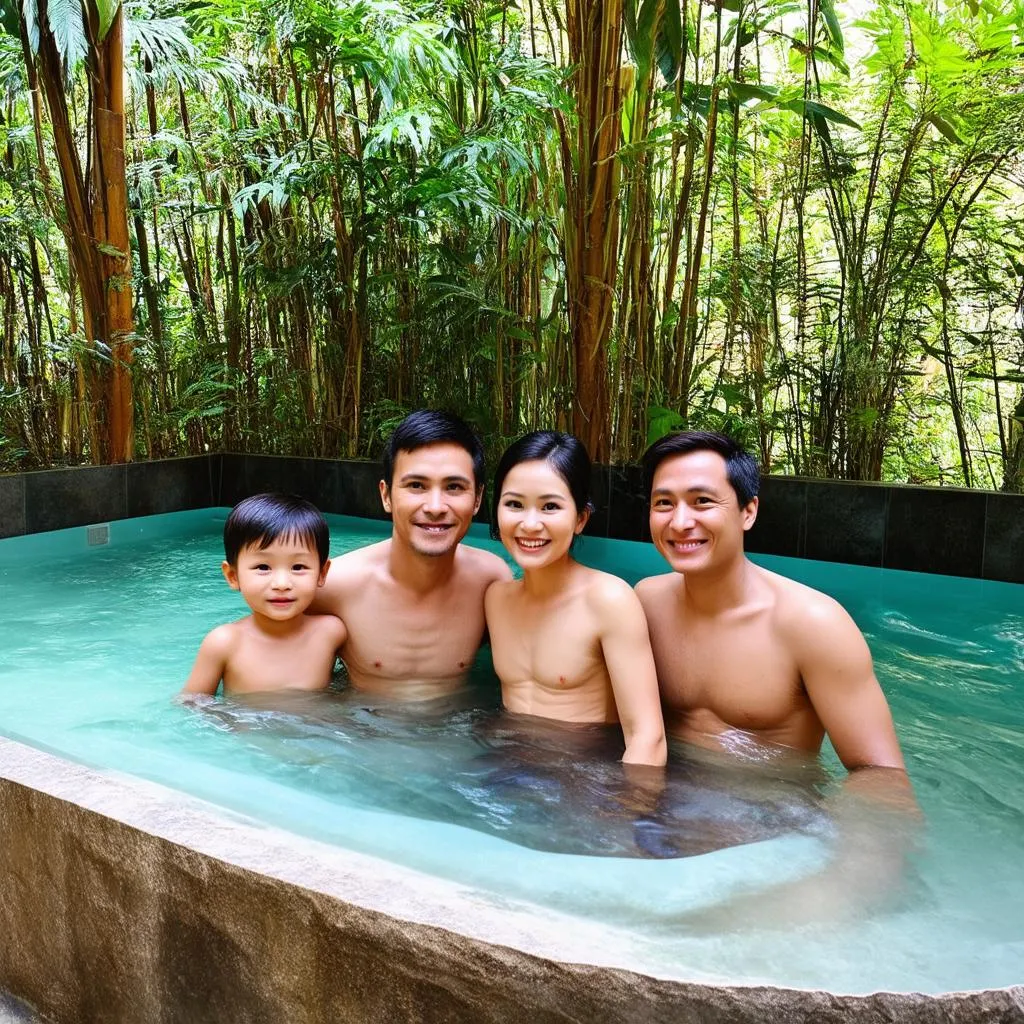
<point x="565" y="453"/>
<point x="433" y="426"/>
<point x="741" y="467"/>
<point x="261" y="519"/>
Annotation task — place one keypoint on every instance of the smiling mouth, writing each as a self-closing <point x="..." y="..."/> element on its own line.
<point x="435" y="528"/>
<point x="282" y="600"/>
<point x="531" y="545"/>
<point x="685" y="546"/>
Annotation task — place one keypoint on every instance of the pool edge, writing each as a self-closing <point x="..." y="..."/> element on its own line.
<point x="123" y="900"/>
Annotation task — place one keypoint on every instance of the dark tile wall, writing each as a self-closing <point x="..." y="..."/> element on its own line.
<point x="12" y="506"/>
<point x="956" y="532"/>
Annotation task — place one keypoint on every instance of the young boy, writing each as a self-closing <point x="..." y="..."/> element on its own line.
<point x="275" y="553"/>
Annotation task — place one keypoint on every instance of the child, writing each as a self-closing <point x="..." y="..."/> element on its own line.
<point x="275" y="553"/>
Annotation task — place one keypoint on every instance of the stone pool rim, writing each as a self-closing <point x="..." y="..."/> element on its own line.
<point x="196" y="868"/>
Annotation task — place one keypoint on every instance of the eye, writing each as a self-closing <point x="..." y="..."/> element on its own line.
<point x="512" y="503"/>
<point x="262" y="567"/>
<point x="551" y="506"/>
<point x="299" y="567"/>
<point x="662" y="503"/>
<point x="702" y="499"/>
<point x="456" y="488"/>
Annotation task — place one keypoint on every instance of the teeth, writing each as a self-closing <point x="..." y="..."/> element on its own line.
<point x="532" y="544"/>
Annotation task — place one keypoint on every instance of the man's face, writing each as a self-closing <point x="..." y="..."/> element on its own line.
<point x="697" y="522"/>
<point x="432" y="498"/>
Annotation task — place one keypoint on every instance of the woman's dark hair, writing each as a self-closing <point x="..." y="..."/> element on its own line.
<point x="261" y="519"/>
<point x="566" y="455"/>
<point x="740" y="466"/>
<point x="432" y="426"/>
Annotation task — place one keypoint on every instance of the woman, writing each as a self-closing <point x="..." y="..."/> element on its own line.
<point x="569" y="643"/>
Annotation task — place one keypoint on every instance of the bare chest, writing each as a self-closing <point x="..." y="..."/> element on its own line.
<point x="740" y="672"/>
<point x="395" y="636"/>
<point x="303" y="662"/>
<point x="558" y="649"/>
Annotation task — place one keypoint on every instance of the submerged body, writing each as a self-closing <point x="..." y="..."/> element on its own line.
<point x="782" y="665"/>
<point x="414" y="604"/>
<point x="569" y="643"/>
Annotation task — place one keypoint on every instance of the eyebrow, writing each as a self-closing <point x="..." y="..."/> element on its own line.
<point x="409" y="477"/>
<point x="696" y="489"/>
<point x="543" y="497"/>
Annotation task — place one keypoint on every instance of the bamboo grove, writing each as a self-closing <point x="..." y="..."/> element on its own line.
<point x="278" y="226"/>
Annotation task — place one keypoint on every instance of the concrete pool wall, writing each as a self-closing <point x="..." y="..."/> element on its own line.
<point x="161" y="908"/>
<point x="976" y="534"/>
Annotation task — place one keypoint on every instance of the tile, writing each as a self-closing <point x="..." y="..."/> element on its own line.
<point x="358" y="489"/>
<point x="229" y="482"/>
<point x="12" y="505"/>
<point x="282" y="473"/>
<point x="935" y="530"/>
<point x="627" y="504"/>
<point x="845" y="522"/>
<point x="1004" y="538"/>
<point x="781" y="515"/>
<point x="597" y="525"/>
<point x="169" y="485"/>
<point x="59" y="498"/>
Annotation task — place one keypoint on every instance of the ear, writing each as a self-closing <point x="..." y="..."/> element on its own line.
<point x="385" y="496"/>
<point x="230" y="574"/>
<point x="749" y="513"/>
<point x="581" y="520"/>
<point x="323" y="573"/>
<point x="479" y="499"/>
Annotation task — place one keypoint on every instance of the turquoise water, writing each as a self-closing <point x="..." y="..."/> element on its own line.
<point x="741" y="874"/>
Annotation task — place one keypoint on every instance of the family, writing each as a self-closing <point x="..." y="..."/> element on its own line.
<point x="718" y="652"/>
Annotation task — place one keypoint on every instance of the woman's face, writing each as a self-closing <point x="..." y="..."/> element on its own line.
<point x="537" y="518"/>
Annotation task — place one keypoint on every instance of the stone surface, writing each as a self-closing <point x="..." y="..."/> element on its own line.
<point x="123" y="902"/>
<point x="59" y="498"/>
<point x="935" y="530"/>
<point x="170" y="485"/>
<point x="781" y="515"/>
<point x="845" y="522"/>
<point x="1004" y="538"/>
<point x="12" y="505"/>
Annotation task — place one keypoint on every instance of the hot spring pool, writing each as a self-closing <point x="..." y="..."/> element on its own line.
<point x="97" y="640"/>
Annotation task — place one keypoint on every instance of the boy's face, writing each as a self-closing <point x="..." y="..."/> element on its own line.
<point x="278" y="582"/>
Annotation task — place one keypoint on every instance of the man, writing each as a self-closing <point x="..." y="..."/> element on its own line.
<point x="414" y="604"/>
<point x="746" y="656"/>
<point x="757" y="665"/>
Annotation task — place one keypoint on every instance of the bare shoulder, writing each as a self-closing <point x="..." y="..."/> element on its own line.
<point x="482" y="566"/>
<point x="359" y="562"/>
<point x="223" y="639"/>
<point x="806" y="616"/>
<point x="498" y="592"/>
<point x="329" y="626"/>
<point x="653" y="587"/>
<point x="610" y="597"/>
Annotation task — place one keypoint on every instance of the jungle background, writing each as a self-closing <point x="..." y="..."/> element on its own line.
<point x="277" y="226"/>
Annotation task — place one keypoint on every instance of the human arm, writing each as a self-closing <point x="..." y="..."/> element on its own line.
<point x="836" y="670"/>
<point x="626" y="647"/>
<point x="211" y="661"/>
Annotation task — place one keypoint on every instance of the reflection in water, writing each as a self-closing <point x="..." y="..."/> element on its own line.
<point x="541" y="784"/>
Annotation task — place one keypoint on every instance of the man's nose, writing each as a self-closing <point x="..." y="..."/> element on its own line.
<point x="434" y="501"/>
<point x="682" y="516"/>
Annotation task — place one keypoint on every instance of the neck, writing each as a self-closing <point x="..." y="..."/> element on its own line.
<point x="276" y="627"/>
<point x="720" y="590"/>
<point x="416" y="572"/>
<point x="543" y="583"/>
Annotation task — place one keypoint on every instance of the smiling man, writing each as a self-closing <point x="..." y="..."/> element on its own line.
<point x="414" y="604"/>
<point x="748" y="661"/>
